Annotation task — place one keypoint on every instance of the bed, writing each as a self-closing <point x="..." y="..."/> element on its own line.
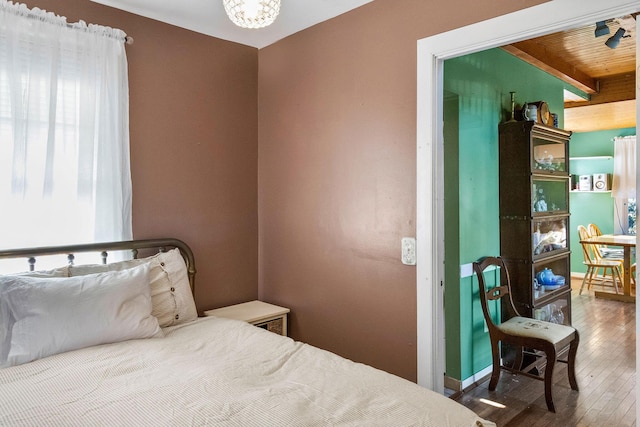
<point x="120" y="343"/>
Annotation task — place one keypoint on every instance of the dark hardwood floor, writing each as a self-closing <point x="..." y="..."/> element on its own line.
<point x="605" y="370"/>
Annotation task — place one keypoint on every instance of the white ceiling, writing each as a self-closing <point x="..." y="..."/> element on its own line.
<point x="208" y="17"/>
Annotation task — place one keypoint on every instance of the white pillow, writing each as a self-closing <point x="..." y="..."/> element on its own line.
<point x="56" y="272"/>
<point x="40" y="317"/>
<point x="171" y="294"/>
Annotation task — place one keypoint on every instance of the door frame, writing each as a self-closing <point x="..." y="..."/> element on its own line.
<point x="524" y="24"/>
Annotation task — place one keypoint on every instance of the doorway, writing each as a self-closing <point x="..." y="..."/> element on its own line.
<point x="524" y="24"/>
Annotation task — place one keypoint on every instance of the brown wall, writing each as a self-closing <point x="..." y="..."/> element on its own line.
<point x="337" y="181"/>
<point x="334" y="158"/>
<point x="194" y="136"/>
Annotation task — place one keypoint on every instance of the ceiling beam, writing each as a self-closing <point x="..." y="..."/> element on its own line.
<point x="538" y="56"/>
<point x="620" y="87"/>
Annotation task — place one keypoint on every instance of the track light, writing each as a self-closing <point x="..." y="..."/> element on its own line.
<point x="613" y="41"/>
<point x="601" y="29"/>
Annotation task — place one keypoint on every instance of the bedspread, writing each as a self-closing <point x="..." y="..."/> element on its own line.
<point x="217" y="372"/>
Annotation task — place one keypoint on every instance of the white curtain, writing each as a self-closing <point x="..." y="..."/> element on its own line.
<point x="64" y="130"/>
<point x="623" y="186"/>
<point x="624" y="167"/>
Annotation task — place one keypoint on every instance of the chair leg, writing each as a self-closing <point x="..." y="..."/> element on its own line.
<point x="571" y="363"/>
<point x="548" y="377"/>
<point x="614" y="284"/>
<point x="616" y="276"/>
<point x="592" y="272"/>
<point x="495" y="374"/>
<point x="584" y="280"/>
<point x="517" y="362"/>
<point x="604" y="272"/>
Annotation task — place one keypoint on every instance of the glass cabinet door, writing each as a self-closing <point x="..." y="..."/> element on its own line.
<point x="549" y="156"/>
<point x="550" y="277"/>
<point x="554" y="312"/>
<point x="549" y="234"/>
<point x="549" y="195"/>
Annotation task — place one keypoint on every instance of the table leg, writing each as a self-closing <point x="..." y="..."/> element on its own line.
<point x="627" y="270"/>
<point x="626" y="281"/>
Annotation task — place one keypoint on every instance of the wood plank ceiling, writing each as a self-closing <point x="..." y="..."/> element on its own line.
<point x="606" y="75"/>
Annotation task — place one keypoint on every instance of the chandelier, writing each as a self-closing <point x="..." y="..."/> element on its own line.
<point x="252" y="13"/>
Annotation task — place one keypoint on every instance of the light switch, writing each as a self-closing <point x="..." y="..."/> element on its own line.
<point x="409" y="250"/>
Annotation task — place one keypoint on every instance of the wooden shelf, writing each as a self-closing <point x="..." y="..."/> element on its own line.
<point x="592" y="158"/>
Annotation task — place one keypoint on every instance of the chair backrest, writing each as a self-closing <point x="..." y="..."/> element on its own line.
<point x="583" y="233"/>
<point x="589" y="250"/>
<point x="594" y="230"/>
<point x="501" y="292"/>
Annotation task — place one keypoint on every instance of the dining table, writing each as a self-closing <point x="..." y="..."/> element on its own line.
<point x="627" y="242"/>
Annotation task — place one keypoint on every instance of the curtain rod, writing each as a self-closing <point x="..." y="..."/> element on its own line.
<point x="127" y="39"/>
<point x="32" y="15"/>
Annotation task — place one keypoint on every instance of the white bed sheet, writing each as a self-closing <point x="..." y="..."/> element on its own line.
<point x="217" y="372"/>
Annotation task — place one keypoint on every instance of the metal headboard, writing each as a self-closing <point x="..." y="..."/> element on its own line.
<point x="134" y="246"/>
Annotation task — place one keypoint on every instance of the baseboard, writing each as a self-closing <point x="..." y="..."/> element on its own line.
<point x="452" y="384"/>
<point x="459" y="386"/>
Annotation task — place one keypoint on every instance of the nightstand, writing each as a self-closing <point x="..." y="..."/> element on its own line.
<point x="261" y="314"/>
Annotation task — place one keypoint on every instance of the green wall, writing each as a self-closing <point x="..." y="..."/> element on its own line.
<point x="591" y="207"/>
<point x="481" y="82"/>
<point x="451" y="132"/>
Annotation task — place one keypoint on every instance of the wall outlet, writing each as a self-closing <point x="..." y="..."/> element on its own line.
<point x="409" y="250"/>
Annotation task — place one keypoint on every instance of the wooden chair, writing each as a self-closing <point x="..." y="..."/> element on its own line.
<point x="611" y="269"/>
<point x="604" y="251"/>
<point x="544" y="340"/>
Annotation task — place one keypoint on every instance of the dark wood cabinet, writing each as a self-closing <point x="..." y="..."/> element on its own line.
<point x="534" y="218"/>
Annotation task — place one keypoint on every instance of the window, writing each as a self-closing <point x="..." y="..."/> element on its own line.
<point x="631" y="217"/>
<point x="64" y="132"/>
<point x="624" y="216"/>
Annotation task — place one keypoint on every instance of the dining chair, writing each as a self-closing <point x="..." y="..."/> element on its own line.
<point x="535" y="338"/>
<point x="610" y="267"/>
<point x="603" y="251"/>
